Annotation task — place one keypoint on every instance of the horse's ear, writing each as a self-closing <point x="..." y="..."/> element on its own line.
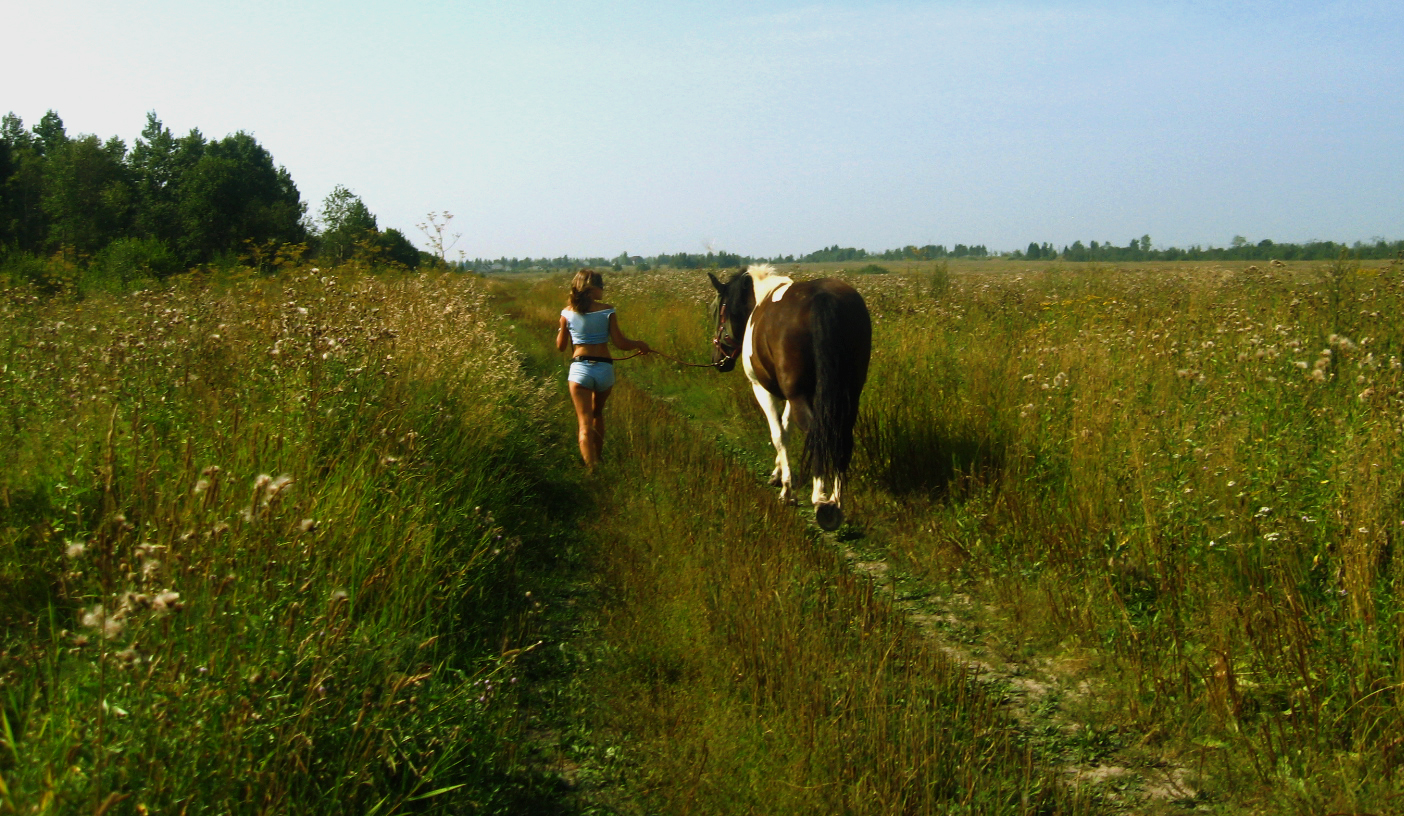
<point x="716" y="284"/>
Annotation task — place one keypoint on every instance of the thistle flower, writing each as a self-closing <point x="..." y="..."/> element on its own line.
<point x="74" y="550"/>
<point x="167" y="602"/>
<point x="277" y="486"/>
<point x="110" y="626"/>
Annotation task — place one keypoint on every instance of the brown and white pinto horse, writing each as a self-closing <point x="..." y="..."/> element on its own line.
<point x="805" y="348"/>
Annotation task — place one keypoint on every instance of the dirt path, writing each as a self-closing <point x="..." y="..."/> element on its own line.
<point x="1053" y="703"/>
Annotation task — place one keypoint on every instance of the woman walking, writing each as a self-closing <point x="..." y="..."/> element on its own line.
<point x="591" y="326"/>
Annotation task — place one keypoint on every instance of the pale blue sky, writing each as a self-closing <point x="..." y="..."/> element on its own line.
<point x="591" y="128"/>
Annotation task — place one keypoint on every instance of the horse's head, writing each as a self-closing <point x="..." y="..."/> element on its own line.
<point x="730" y="310"/>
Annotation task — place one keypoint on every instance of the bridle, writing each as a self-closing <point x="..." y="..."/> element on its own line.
<point x="724" y="340"/>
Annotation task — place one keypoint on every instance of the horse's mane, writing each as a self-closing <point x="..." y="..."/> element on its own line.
<point x="766" y="280"/>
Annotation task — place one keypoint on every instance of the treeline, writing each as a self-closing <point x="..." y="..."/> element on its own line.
<point x="722" y="259"/>
<point x="1139" y="249"/>
<point x="680" y="260"/>
<point x="166" y="204"/>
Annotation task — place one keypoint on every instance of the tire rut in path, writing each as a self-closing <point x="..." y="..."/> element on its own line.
<point x="1037" y="695"/>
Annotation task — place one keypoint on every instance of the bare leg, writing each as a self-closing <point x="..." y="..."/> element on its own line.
<point x="597" y="423"/>
<point x="590" y="439"/>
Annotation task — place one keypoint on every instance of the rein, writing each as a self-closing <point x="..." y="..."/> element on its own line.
<point x="666" y="357"/>
<point x="669" y="357"/>
<point x="727" y="355"/>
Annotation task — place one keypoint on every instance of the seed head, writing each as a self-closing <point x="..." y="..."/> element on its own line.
<point x="167" y="602"/>
<point x="278" y="485"/>
<point x="110" y="626"/>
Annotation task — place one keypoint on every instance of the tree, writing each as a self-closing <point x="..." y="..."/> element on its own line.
<point x="396" y="247"/>
<point x="51" y="133"/>
<point x="159" y="162"/>
<point x="345" y="221"/>
<point x="22" y="223"/>
<point x="87" y="196"/>
<point x="233" y="194"/>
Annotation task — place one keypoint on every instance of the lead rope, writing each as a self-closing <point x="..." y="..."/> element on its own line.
<point x="668" y="357"/>
<point x="716" y="341"/>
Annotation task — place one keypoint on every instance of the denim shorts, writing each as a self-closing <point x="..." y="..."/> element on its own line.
<point x="594" y="376"/>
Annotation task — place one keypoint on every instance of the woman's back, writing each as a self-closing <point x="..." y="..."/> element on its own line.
<point x="588" y="328"/>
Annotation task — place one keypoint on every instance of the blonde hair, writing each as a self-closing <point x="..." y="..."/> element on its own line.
<point x="579" y="298"/>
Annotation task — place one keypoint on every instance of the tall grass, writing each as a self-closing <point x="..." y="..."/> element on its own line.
<point x="739" y="666"/>
<point x="253" y="548"/>
<point x="1191" y="475"/>
<point x="1184" y="479"/>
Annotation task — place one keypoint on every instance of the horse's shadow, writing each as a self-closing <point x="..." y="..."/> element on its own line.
<point x="906" y="460"/>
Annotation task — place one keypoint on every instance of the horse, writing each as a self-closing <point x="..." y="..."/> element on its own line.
<point x="805" y="348"/>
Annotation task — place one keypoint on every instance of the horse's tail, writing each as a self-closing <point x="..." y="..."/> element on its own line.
<point x="843" y="336"/>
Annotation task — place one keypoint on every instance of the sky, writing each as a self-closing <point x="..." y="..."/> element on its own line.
<point x="766" y="128"/>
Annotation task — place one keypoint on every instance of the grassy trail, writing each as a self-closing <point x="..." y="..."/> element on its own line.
<point x="1090" y="700"/>
<point x="713" y="654"/>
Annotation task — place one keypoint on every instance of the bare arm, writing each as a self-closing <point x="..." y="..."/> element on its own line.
<point x="562" y="337"/>
<point x="620" y="341"/>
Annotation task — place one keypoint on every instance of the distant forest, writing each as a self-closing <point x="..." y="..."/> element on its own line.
<point x="165" y="205"/>
<point x="1138" y="249"/>
<point x="81" y="207"/>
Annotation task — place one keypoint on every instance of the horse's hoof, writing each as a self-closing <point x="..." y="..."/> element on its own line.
<point x="829" y="516"/>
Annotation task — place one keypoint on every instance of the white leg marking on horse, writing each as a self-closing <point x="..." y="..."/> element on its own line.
<point x="832" y="492"/>
<point x="779" y="436"/>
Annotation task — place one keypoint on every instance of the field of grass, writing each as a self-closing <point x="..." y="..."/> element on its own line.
<point x="266" y="545"/>
<point x="1184" y="481"/>
<point x="257" y="547"/>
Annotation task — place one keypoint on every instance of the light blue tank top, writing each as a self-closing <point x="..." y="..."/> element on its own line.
<point x="589" y="328"/>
